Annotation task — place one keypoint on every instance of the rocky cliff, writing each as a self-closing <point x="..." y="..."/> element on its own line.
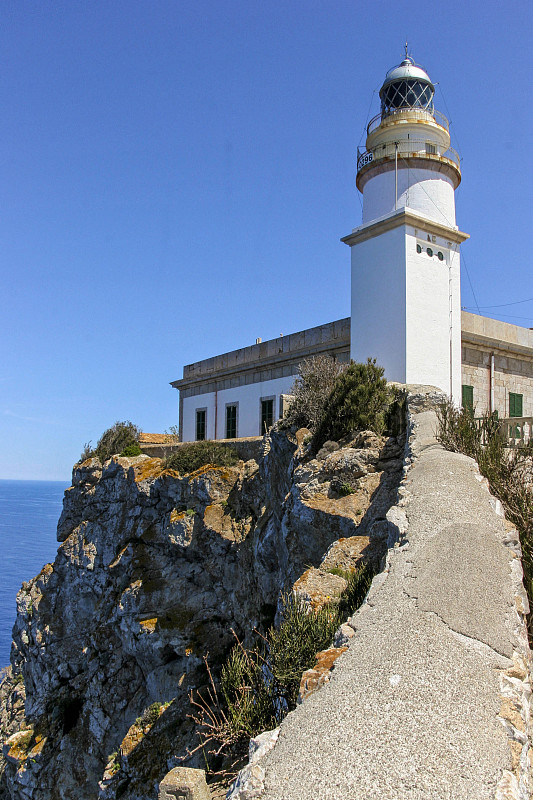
<point x="153" y="571"/>
<point x="432" y="696"/>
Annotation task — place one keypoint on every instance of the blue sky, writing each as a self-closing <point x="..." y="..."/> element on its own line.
<point x="175" y="178"/>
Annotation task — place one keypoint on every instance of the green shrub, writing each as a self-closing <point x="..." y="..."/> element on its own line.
<point x="131" y="450"/>
<point x="461" y="432"/>
<point x="195" y="455"/>
<point x="116" y="439"/>
<point x="87" y="452"/>
<point x="359" y="401"/>
<point x="293" y="646"/>
<point x="151" y="714"/>
<point x="247" y="697"/>
<point x="344" y="489"/>
<point x="356" y="591"/>
<point x="340" y="572"/>
<point x="311" y="390"/>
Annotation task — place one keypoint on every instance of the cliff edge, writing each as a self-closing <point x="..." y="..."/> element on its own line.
<point x="153" y="571"/>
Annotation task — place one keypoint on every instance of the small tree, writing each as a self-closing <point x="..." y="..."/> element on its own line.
<point x="359" y="401"/>
<point x="311" y="390"/>
<point x="116" y="439"/>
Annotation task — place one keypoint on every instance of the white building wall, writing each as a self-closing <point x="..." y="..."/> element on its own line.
<point x="378" y="302"/>
<point x="424" y="191"/>
<point x="433" y="313"/>
<point x="248" y="398"/>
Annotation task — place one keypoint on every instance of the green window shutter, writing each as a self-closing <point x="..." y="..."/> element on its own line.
<point x="468" y="397"/>
<point x="515" y="405"/>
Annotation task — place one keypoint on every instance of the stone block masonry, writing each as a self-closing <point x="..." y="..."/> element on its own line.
<point x="431" y="699"/>
<point x="497" y="358"/>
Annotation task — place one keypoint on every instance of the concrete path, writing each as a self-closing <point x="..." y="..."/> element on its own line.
<point x="413" y="710"/>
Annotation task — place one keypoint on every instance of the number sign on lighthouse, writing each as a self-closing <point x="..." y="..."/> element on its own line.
<point x="406" y="306"/>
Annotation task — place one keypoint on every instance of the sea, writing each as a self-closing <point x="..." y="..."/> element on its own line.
<point x="29" y="511"/>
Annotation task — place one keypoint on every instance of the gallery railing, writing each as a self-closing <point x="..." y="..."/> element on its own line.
<point x="517" y="431"/>
<point x="412" y="113"/>
<point x="413" y="148"/>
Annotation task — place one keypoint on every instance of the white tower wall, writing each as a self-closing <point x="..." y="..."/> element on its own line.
<point x="378" y="303"/>
<point x="406" y="304"/>
<point x="423" y="190"/>
<point x="433" y="313"/>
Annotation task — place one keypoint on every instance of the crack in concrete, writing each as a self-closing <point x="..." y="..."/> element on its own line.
<point x="462" y="635"/>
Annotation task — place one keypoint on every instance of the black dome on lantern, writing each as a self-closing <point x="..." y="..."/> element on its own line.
<point x="406" y="86"/>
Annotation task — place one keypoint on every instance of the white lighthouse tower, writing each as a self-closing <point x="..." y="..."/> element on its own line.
<point x="406" y="306"/>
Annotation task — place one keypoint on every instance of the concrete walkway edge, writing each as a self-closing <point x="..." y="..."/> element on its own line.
<point x="431" y="700"/>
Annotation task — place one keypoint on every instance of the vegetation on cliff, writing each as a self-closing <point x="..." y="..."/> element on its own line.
<point x="333" y="400"/>
<point x="155" y="568"/>
<point x="122" y="438"/>
<point x="311" y="389"/>
<point x="196" y="455"/>
<point x="259" y="685"/>
<point x="359" y="401"/>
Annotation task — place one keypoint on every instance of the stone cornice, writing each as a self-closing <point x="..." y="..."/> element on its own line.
<point x="404" y="217"/>
<point x="275" y="361"/>
<point x="493" y="334"/>
<point x="496" y="345"/>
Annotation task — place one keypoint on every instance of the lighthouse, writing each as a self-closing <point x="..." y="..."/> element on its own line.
<point x="405" y="293"/>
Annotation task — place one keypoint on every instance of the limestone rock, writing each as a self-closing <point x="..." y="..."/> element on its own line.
<point x="318" y="588"/>
<point x="182" y="783"/>
<point x="352" y="464"/>
<point x="367" y="440"/>
<point x="343" y="635"/>
<point x="327" y="448"/>
<point x="347" y="554"/>
<point x="260" y="745"/>
<point x="313" y="679"/>
<point x="249" y="782"/>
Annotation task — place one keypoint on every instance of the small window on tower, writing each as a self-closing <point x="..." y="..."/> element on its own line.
<point x="429" y="251"/>
<point x="431" y="149"/>
<point x="418" y="248"/>
<point x="440" y="256"/>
